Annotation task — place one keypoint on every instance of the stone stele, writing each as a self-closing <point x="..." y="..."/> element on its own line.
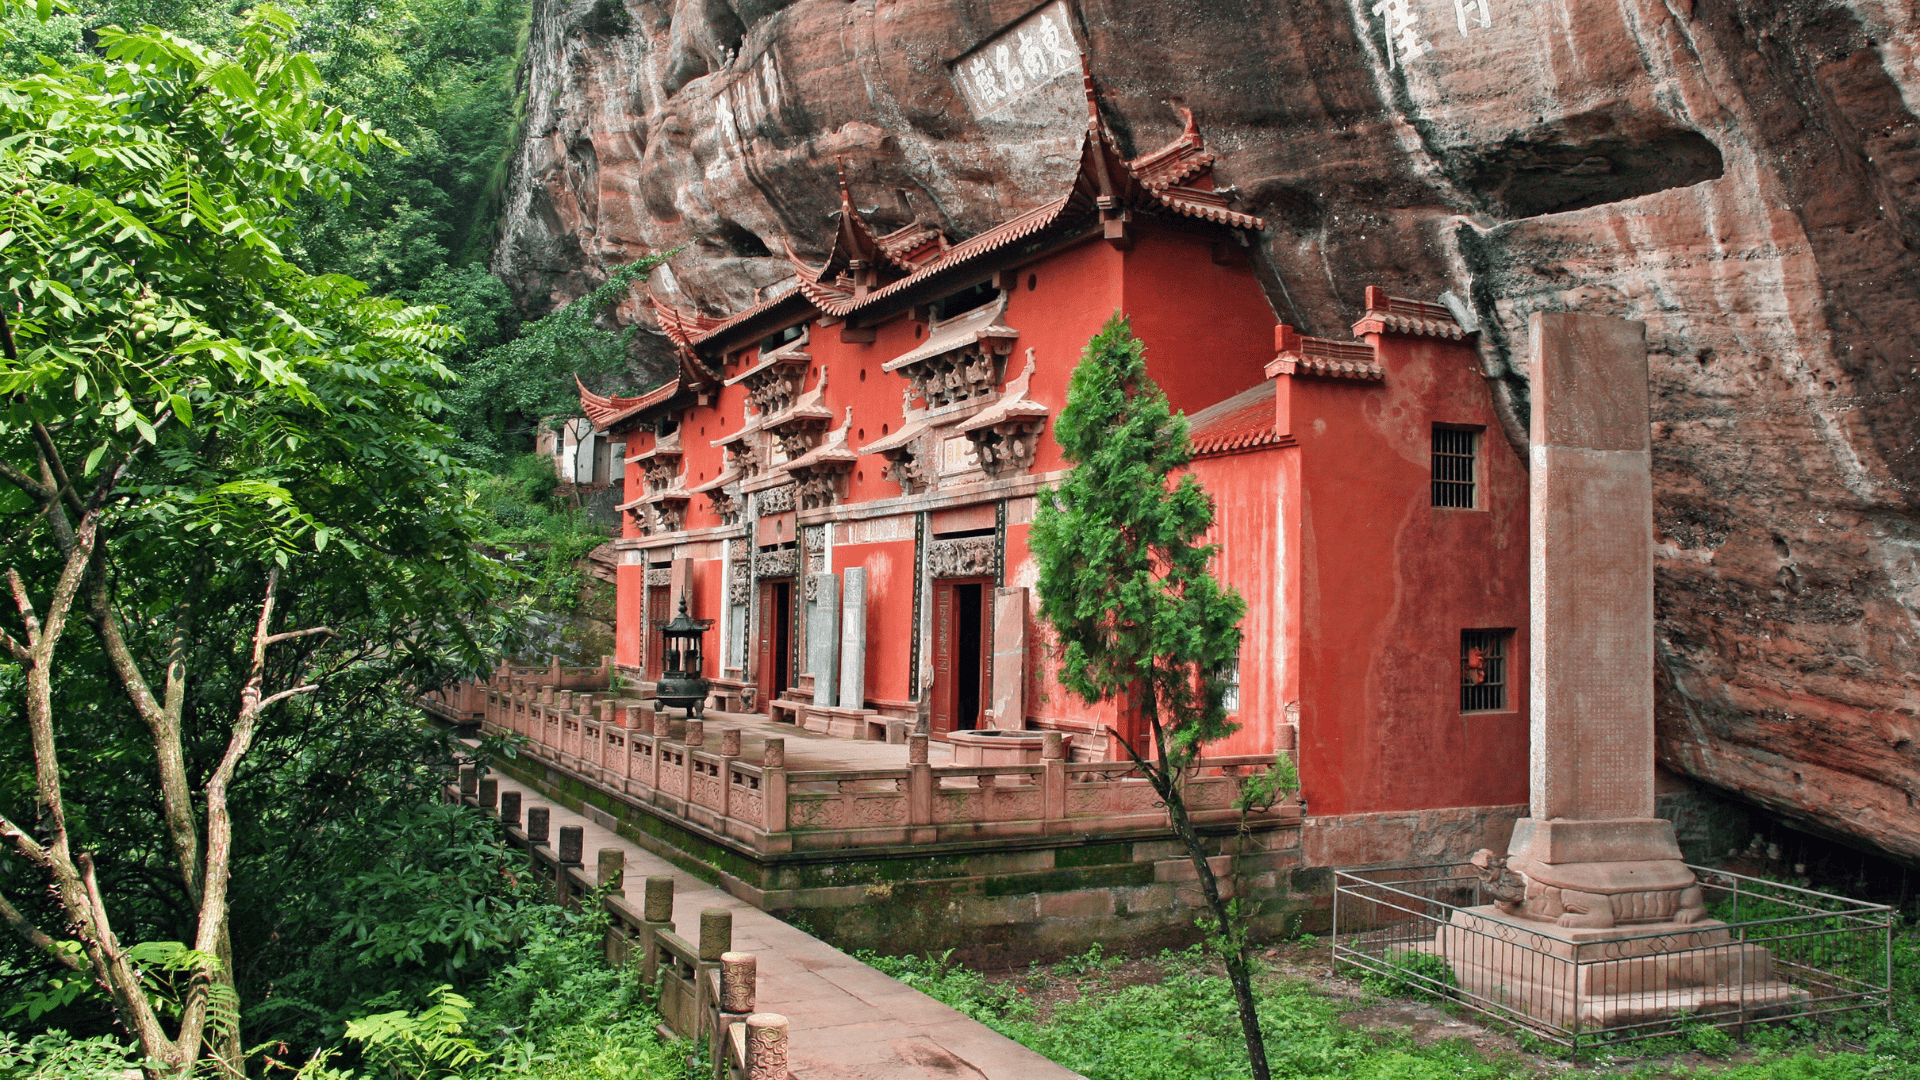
<point x="1596" y="921"/>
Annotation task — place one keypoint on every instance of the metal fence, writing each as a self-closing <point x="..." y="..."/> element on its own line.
<point x="1768" y="951"/>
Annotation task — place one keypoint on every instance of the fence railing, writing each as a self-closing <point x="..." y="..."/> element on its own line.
<point x="704" y="990"/>
<point x="700" y="777"/>
<point x="1768" y="951"/>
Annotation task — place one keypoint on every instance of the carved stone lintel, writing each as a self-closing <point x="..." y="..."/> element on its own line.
<point x="968" y="556"/>
<point x="776" y="500"/>
<point x="774" y="564"/>
<point x="815" y="490"/>
<point x="813" y="538"/>
<point x="737" y="587"/>
<point x="659" y="577"/>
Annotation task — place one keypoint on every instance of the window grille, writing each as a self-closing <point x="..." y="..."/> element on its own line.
<point x="1483" y="670"/>
<point x="1230" y="675"/>
<point x="1454" y="464"/>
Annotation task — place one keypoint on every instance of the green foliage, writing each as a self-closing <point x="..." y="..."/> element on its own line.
<point x="1262" y="790"/>
<point x="55" y="1055"/>
<point x="953" y="985"/>
<point x="1422" y="975"/>
<point x="427" y="1045"/>
<point x="509" y="389"/>
<point x="439" y="898"/>
<point x="1123" y="577"/>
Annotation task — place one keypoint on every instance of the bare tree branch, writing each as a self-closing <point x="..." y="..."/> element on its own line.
<point x="299" y="633"/>
<point x="284" y="694"/>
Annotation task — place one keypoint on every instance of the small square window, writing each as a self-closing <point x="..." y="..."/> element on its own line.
<point x="1456" y="454"/>
<point x="1483" y="669"/>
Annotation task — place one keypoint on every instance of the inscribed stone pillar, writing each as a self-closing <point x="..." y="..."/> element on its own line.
<point x="853" y="640"/>
<point x="1010" y="659"/>
<point x="1592" y="850"/>
<point x="823" y="638"/>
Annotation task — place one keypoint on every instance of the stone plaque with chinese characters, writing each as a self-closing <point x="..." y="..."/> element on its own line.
<point x="1027" y="72"/>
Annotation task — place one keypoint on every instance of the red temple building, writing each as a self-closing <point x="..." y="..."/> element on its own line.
<point x="892" y="412"/>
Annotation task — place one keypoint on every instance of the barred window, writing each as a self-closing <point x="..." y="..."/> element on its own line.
<point x="1455" y="465"/>
<point x="1229" y="673"/>
<point x="1483" y="670"/>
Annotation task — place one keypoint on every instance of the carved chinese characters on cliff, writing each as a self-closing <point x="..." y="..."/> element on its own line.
<point x="1003" y="77"/>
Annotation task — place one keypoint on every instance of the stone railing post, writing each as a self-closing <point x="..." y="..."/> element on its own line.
<point x="489" y="793"/>
<point x="662" y="725"/>
<point x="656" y="914"/>
<point x="613" y="871"/>
<point x="1053" y="778"/>
<point x="730" y="742"/>
<point x="766" y="1047"/>
<point x="572" y="844"/>
<point x="696" y="733"/>
<point x="919" y="782"/>
<point x="510" y="808"/>
<point x="773" y="783"/>
<point x="716" y="934"/>
<point x="469" y="781"/>
<point x="738" y="982"/>
<point x="539" y="819"/>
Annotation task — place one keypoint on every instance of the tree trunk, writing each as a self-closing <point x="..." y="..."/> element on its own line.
<point x="1230" y="935"/>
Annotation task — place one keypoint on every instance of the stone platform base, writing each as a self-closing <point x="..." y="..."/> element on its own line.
<point x="849" y="723"/>
<point x="1583" y="979"/>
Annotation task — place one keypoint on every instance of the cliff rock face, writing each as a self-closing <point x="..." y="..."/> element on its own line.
<point x="1741" y="175"/>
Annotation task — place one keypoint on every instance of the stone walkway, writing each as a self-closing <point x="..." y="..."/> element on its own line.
<point x="808" y="750"/>
<point x="849" y="1022"/>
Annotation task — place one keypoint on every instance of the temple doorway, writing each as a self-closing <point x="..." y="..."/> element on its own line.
<point x="657" y="613"/>
<point x="961" y="647"/>
<point x="773" y="671"/>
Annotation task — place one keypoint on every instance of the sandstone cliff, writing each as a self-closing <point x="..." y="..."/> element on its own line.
<point x="1742" y="175"/>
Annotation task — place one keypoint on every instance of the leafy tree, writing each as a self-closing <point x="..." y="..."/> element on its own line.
<point x="1124" y="582"/>
<point x="189" y="419"/>
<point x="511" y="388"/>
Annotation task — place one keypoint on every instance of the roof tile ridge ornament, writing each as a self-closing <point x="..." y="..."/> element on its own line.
<point x="1399" y="315"/>
<point x="862" y="248"/>
<point x="1100" y="148"/>
<point x="814" y="282"/>
<point x="1302" y="355"/>
<point x="1181" y="160"/>
<point x="1014" y="403"/>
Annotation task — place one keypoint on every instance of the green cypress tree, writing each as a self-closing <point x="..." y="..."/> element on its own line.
<point x="1125" y="584"/>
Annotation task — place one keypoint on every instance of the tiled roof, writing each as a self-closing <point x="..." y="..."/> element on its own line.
<point x="1241" y="422"/>
<point x="727" y="476"/>
<point x="605" y="410"/>
<point x="1174" y="179"/>
<point x="1398" y="315"/>
<point x="833" y="451"/>
<point x="1301" y="355"/>
<point x="793" y="352"/>
<point x="1014" y="404"/>
<point x="964" y="329"/>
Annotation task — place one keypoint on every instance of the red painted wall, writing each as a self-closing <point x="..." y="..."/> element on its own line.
<point x="889" y="567"/>
<point x="1388" y="582"/>
<point x="1246" y="493"/>
<point x="1207" y="326"/>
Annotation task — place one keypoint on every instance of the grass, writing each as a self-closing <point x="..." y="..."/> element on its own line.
<point x="1172" y="1016"/>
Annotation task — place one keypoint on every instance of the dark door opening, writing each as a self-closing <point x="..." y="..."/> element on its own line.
<point x="960" y="652"/>
<point x="966" y="662"/>
<point x="782" y="636"/>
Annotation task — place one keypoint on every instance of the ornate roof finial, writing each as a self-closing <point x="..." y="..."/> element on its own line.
<point x="846" y="197"/>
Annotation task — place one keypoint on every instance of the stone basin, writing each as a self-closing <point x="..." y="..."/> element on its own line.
<point x="992" y="746"/>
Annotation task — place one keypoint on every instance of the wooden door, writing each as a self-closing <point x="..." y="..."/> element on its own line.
<point x="656" y="641"/>
<point x="764" y="651"/>
<point x="940" y="719"/>
<point x="962" y="642"/>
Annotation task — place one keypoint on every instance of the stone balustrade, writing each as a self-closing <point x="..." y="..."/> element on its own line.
<point x="699" y="778"/>
<point x="706" y="991"/>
